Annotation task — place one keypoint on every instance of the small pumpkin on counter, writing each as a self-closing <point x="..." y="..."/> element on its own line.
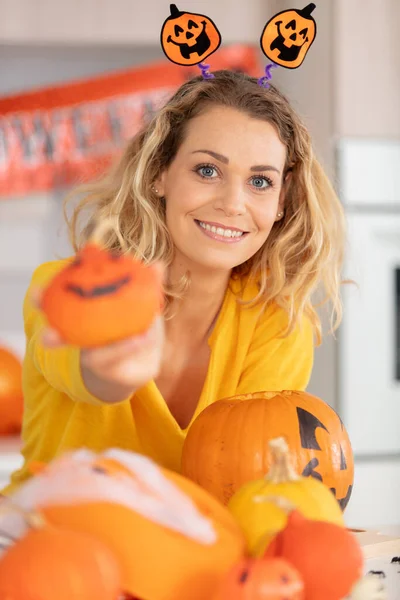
<point x="262" y="579"/>
<point x="261" y="518"/>
<point x="11" y="396"/>
<point x="327" y="556"/>
<point x="49" y="562"/>
<point x="227" y="444"/>
<point x="102" y="297"/>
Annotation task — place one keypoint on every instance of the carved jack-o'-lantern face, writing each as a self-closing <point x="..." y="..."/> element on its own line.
<point x="188" y="38"/>
<point x="287" y="37"/>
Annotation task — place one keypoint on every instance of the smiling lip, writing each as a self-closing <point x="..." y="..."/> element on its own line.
<point x="221" y="238"/>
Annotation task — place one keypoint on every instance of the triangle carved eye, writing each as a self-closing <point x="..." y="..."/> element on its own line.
<point x="178" y="30"/>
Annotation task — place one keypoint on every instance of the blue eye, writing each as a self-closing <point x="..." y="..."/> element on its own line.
<point x="206" y="171"/>
<point x="261" y="182"/>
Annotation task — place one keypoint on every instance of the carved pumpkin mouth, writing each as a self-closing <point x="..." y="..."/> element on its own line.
<point x="286" y="53"/>
<point x="201" y="46"/>
<point x="100" y="290"/>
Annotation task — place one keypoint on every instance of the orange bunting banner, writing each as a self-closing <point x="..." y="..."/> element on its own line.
<point x="63" y="135"/>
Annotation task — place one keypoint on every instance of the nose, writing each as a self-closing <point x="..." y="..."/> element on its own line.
<point x="189" y="35"/>
<point x="231" y="201"/>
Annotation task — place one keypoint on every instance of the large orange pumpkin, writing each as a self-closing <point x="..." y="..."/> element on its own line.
<point x="171" y="538"/>
<point x="11" y="397"/>
<point x="227" y="444"/>
<point x="101" y="297"/>
<point x="188" y="38"/>
<point x="287" y="37"/>
<point x="49" y="563"/>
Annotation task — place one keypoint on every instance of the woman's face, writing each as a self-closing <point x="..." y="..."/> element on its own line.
<point x="224" y="189"/>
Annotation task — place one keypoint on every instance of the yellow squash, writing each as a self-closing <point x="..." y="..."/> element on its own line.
<point x="256" y="509"/>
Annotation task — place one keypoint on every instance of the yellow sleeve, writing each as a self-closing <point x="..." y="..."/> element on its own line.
<point x="59" y="366"/>
<point x="274" y="363"/>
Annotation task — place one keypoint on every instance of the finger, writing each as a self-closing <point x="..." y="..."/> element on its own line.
<point x="100" y="357"/>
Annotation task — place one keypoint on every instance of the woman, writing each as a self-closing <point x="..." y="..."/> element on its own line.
<point x="222" y="189"/>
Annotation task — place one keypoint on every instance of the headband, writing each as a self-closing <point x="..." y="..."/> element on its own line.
<point x="188" y="39"/>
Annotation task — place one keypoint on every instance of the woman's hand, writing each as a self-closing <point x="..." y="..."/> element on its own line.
<point x="113" y="372"/>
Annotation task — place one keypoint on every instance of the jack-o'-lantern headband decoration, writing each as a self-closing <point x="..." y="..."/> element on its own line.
<point x="187" y="39"/>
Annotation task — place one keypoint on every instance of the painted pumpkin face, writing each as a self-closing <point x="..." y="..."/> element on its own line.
<point x="317" y="439"/>
<point x="153" y="521"/>
<point x="100" y="298"/>
<point x="287" y="37"/>
<point x="262" y="579"/>
<point x="188" y="38"/>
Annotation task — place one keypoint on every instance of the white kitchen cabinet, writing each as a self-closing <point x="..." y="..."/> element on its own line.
<point x="120" y="21"/>
<point x="374" y="503"/>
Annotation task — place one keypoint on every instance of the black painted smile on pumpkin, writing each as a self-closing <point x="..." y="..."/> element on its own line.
<point x="308" y="424"/>
<point x="202" y="44"/>
<point x="100" y="290"/>
<point x="288" y="54"/>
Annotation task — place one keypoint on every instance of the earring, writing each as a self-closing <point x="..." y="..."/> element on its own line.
<point x="279" y="215"/>
<point x="154" y="189"/>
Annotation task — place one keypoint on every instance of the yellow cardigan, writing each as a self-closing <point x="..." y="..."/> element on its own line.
<point x="60" y="414"/>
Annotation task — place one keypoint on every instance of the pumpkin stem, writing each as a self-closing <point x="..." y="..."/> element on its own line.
<point x="307" y="10"/>
<point x="281" y="469"/>
<point x="175" y="12"/>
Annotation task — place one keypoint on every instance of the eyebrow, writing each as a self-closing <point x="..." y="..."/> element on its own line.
<point x="225" y="160"/>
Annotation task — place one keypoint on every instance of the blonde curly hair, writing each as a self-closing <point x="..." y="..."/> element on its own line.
<point x="304" y="250"/>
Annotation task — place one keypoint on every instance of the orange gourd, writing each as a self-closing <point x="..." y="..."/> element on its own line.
<point x="327" y="556"/>
<point x="101" y="298"/>
<point x="11" y="397"/>
<point x="171" y="538"/>
<point x="262" y="579"/>
<point x="287" y="37"/>
<point x="49" y="563"/>
<point x="188" y="38"/>
<point x="227" y="444"/>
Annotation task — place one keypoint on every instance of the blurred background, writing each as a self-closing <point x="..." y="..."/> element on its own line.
<point x="348" y="93"/>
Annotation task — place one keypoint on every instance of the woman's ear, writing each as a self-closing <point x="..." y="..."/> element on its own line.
<point x="159" y="185"/>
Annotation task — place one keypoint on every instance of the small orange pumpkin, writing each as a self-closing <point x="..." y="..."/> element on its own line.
<point x="328" y="556"/>
<point x="287" y="37"/>
<point x="11" y="396"/>
<point x="262" y="579"/>
<point x="171" y="538"/>
<point x="188" y="38"/>
<point x="227" y="444"/>
<point x="50" y="563"/>
<point x="101" y="297"/>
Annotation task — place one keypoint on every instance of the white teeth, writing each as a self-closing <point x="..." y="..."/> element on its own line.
<point x="228" y="233"/>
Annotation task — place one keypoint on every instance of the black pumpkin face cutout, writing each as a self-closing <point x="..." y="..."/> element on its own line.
<point x="188" y="38"/>
<point x="287" y="37"/>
